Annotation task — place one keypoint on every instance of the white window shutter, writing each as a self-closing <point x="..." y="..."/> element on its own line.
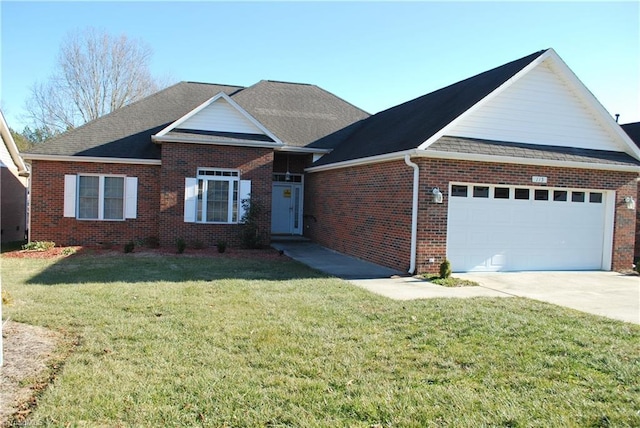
<point x="70" y="183"/>
<point x="245" y="193"/>
<point x="190" y="195"/>
<point x="131" y="197"/>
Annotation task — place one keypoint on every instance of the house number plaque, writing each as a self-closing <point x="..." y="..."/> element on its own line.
<point x="540" y="180"/>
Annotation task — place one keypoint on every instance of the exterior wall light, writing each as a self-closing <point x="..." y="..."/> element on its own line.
<point x="437" y="195"/>
<point x="631" y="203"/>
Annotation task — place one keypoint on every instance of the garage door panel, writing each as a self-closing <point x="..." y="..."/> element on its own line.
<point x="487" y="234"/>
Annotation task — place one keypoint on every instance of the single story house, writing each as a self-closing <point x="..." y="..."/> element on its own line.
<point x="517" y="168"/>
<point x="13" y="191"/>
<point x="633" y="130"/>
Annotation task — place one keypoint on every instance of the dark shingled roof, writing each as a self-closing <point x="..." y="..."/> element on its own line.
<point x="126" y="132"/>
<point x="531" y="151"/>
<point x="408" y="125"/>
<point x="633" y="131"/>
<point x="297" y="114"/>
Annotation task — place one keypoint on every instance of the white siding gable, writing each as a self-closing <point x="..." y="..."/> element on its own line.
<point x="220" y="116"/>
<point x="539" y="108"/>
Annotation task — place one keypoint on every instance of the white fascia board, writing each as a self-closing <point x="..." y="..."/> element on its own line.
<point x="363" y="161"/>
<point x="213" y="99"/>
<point x="524" y="161"/>
<point x="12" y="147"/>
<point x="435" y="154"/>
<point x="91" y="159"/>
<point x="435" y="137"/>
<point x="294" y="149"/>
<point x="214" y="142"/>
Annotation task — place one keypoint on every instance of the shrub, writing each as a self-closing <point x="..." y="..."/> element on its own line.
<point x="181" y="245"/>
<point x="68" y="251"/>
<point x="6" y="298"/>
<point x="445" y="269"/>
<point x="222" y="245"/>
<point x="39" y="245"/>
<point x="129" y="246"/>
<point x="250" y="234"/>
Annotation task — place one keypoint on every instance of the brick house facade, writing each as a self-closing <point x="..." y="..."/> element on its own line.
<point x="466" y="173"/>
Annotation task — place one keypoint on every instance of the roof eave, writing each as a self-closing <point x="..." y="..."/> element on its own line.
<point x="90" y="159"/>
<point x="435" y="154"/>
<point x="213" y="141"/>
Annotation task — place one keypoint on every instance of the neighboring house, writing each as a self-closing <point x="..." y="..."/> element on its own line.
<point x="517" y="168"/>
<point x="633" y="130"/>
<point x="13" y="192"/>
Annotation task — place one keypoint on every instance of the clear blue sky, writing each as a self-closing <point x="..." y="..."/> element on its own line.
<point x="372" y="54"/>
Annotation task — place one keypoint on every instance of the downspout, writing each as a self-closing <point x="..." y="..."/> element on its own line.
<point x="414" y="212"/>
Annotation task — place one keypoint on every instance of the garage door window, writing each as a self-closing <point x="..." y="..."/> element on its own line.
<point x="577" y="196"/>
<point x="595" y="198"/>
<point x="560" y="195"/>
<point x="480" y="192"/>
<point x="541" y="195"/>
<point x="459" y="191"/>
<point x="522" y="194"/>
<point x="501" y="193"/>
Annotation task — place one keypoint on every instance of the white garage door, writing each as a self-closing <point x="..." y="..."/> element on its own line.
<point x="507" y="228"/>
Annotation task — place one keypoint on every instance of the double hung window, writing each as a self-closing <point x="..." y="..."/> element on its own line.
<point x="217" y="197"/>
<point x="100" y="197"/>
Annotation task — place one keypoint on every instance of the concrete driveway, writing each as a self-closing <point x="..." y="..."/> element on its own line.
<point x="609" y="294"/>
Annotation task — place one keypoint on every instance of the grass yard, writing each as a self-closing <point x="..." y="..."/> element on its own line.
<point x="195" y="341"/>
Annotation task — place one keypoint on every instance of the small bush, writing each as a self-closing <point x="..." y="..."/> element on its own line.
<point x="68" y="251"/>
<point x="181" y="245"/>
<point x="251" y="237"/>
<point x="445" y="269"/>
<point x="129" y="246"/>
<point x="39" y="246"/>
<point x="222" y="246"/>
<point x="6" y="298"/>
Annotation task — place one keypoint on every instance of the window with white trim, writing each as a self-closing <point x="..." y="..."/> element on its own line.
<point x="100" y="197"/>
<point x="217" y="200"/>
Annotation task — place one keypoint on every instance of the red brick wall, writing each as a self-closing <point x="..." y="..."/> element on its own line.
<point x="365" y="211"/>
<point x="183" y="160"/>
<point x="637" y="252"/>
<point x="47" y="202"/>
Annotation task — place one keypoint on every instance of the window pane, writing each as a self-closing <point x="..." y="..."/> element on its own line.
<point x="459" y="191"/>
<point x="501" y="193"/>
<point x="595" y="198"/>
<point x="522" y="194"/>
<point x="88" y="197"/>
<point x="218" y="201"/>
<point x="541" y="195"/>
<point x="559" y="195"/>
<point x="234" y="214"/>
<point x="199" y="200"/>
<point x="114" y="198"/>
<point x="577" y="196"/>
<point x="480" y="192"/>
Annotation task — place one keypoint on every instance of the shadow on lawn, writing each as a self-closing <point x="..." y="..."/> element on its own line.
<point x="88" y="265"/>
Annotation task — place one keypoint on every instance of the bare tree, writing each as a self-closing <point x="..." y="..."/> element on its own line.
<point x="95" y="74"/>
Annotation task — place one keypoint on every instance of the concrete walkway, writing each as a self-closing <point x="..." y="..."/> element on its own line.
<point x="608" y="294"/>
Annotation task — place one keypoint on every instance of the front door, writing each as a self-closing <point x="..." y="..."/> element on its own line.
<point x="286" y="209"/>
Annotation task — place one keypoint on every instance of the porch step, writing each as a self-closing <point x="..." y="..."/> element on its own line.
<point x="289" y="238"/>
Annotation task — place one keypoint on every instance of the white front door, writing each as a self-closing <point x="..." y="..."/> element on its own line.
<point x="286" y="209"/>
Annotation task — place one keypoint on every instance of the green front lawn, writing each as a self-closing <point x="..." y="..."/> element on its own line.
<point x="194" y="341"/>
